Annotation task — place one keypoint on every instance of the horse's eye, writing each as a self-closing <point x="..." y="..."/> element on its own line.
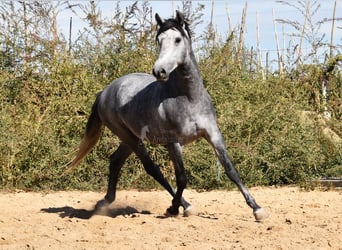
<point x="178" y="40"/>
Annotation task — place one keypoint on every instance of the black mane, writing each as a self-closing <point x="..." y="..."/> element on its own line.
<point x="174" y="24"/>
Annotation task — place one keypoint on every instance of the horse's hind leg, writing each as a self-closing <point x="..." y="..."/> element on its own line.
<point x="153" y="170"/>
<point x="117" y="160"/>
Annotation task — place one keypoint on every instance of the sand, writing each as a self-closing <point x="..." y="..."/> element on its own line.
<point x="220" y="220"/>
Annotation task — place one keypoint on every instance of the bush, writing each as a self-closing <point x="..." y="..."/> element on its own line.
<point x="45" y="104"/>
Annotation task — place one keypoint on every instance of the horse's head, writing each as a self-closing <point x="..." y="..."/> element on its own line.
<point x="174" y="41"/>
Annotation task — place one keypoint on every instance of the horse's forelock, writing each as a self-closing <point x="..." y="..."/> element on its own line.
<point x="173" y="24"/>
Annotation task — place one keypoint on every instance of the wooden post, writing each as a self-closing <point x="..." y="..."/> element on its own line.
<point x="229" y="19"/>
<point x="280" y="64"/>
<point x="267" y="65"/>
<point x="231" y="29"/>
<point x="173" y="8"/>
<point x="70" y="32"/>
<point x="332" y="31"/>
<point x="284" y="46"/>
<point x="242" y="33"/>
<point x="26" y="53"/>
<point x="331" y="65"/>
<point x="211" y="26"/>
<point x="307" y="12"/>
<point x="259" y="68"/>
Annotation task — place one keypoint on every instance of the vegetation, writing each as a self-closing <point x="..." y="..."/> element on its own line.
<point x="275" y="127"/>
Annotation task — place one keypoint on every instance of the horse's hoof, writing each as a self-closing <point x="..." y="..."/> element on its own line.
<point x="188" y="211"/>
<point x="260" y="214"/>
<point x="172" y="212"/>
<point x="101" y="204"/>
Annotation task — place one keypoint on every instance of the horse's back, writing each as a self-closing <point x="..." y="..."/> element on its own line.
<point x="119" y="94"/>
<point x="123" y="89"/>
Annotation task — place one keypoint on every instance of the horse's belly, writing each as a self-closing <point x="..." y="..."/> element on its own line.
<point x="167" y="134"/>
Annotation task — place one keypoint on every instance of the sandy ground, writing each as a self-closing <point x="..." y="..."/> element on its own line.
<point x="221" y="220"/>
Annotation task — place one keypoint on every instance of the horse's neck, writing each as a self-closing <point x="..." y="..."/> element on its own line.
<point x="189" y="80"/>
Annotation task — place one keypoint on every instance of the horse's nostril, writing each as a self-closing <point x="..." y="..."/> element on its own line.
<point x="159" y="74"/>
<point x="162" y="73"/>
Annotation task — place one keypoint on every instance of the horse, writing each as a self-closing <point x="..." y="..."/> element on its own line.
<point x="171" y="107"/>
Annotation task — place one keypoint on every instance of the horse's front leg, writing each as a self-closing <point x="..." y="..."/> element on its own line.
<point x="216" y="140"/>
<point x="175" y="153"/>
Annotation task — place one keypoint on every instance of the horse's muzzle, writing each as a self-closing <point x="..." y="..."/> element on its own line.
<point x="160" y="74"/>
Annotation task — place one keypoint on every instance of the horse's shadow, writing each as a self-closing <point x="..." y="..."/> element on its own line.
<point x="85" y="214"/>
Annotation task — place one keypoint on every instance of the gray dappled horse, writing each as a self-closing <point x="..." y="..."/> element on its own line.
<point x="171" y="108"/>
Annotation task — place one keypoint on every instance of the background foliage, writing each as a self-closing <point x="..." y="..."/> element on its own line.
<point x="274" y="127"/>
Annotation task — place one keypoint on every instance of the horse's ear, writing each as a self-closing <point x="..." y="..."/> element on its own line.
<point x="159" y="20"/>
<point x="180" y="17"/>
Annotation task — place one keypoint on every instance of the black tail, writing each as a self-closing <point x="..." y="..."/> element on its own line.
<point x="91" y="136"/>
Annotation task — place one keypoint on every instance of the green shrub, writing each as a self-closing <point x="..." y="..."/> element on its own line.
<point x="45" y="104"/>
